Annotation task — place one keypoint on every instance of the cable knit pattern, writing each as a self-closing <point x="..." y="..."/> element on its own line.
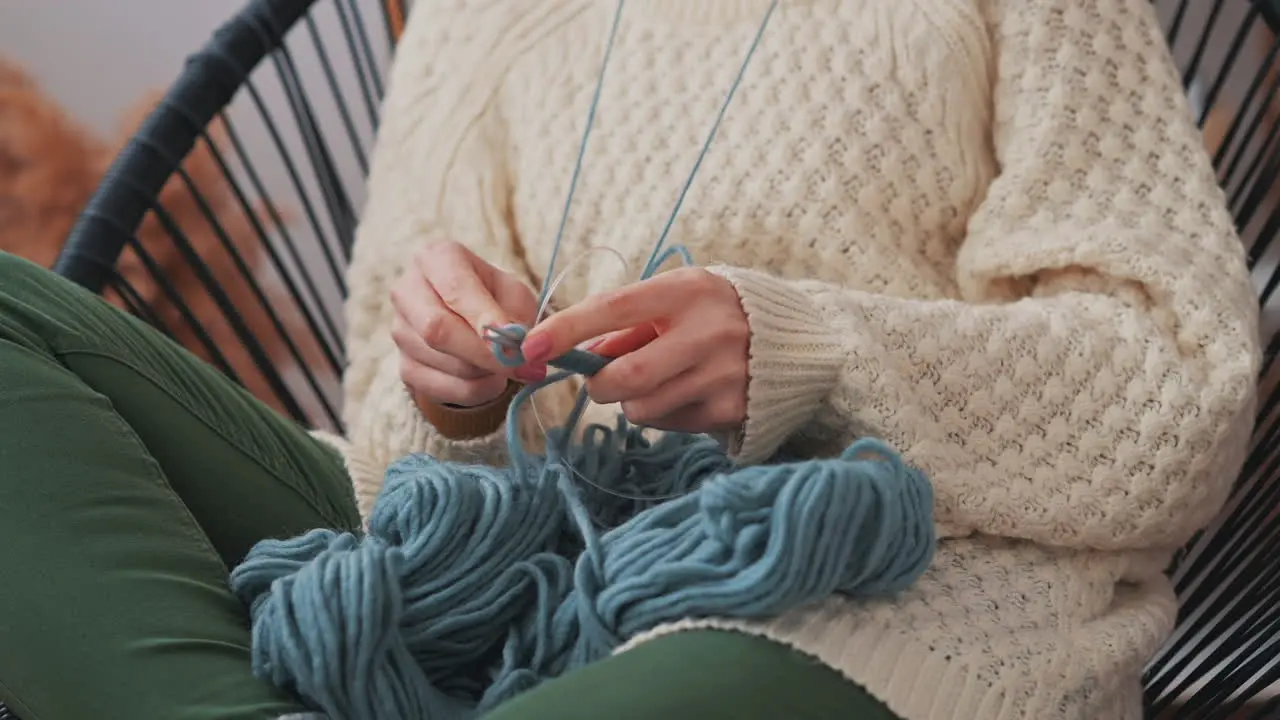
<point x="984" y="230"/>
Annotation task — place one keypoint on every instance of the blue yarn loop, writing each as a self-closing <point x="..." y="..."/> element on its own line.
<point x="506" y="348"/>
<point x="475" y="583"/>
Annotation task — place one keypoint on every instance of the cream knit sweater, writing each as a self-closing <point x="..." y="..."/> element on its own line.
<point x="984" y="230"/>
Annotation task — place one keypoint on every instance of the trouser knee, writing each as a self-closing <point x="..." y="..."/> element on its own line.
<point x="21" y="280"/>
<point x="37" y="306"/>
<point x="14" y="266"/>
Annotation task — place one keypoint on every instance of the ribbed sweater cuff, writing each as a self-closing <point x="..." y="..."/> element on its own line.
<point x="795" y="358"/>
<point x="469" y="423"/>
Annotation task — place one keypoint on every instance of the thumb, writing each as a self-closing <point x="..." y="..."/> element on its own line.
<point x="515" y="298"/>
<point x="452" y="273"/>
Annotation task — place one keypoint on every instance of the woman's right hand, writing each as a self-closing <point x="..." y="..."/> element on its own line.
<point x="442" y="302"/>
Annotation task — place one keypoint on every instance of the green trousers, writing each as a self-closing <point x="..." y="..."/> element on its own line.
<point x="132" y="476"/>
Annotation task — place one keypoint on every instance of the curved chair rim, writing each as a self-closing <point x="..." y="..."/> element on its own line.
<point x="207" y="84"/>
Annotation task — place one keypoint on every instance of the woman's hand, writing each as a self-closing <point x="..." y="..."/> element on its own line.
<point x="681" y="342"/>
<point x="444" y="299"/>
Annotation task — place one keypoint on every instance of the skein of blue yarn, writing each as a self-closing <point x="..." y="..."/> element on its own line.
<point x="475" y="583"/>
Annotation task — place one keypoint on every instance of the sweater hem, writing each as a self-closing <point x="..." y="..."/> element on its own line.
<point x="914" y="682"/>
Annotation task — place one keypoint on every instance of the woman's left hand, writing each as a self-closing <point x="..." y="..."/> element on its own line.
<point x="681" y="341"/>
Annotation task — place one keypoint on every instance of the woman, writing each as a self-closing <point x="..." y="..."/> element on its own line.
<point x="982" y="230"/>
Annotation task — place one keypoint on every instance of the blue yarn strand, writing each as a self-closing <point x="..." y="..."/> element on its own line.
<point x="475" y="583"/>
<point x="656" y="258"/>
<point x="582" y="152"/>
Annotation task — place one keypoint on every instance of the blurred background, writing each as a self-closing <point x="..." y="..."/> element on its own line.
<point x="90" y="72"/>
<point x="98" y="57"/>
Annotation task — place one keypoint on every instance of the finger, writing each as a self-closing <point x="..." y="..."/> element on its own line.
<point x="617" y="344"/>
<point x="457" y="277"/>
<point x="516" y="298"/>
<point x="643" y="372"/>
<point x="702" y="399"/>
<point x="417" y="350"/>
<point x="643" y="302"/>
<point x="443" y="388"/>
<point x="693" y="418"/>
<point x="426" y="316"/>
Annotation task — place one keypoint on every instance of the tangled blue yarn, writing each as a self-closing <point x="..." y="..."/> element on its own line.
<point x="475" y="583"/>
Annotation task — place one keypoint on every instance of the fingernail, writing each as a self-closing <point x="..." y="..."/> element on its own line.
<point x="536" y="349"/>
<point x="531" y="374"/>
<point x="595" y="343"/>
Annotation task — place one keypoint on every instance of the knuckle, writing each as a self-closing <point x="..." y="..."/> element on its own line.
<point x="523" y="302"/>
<point x="408" y="371"/>
<point x="445" y="266"/>
<point x="603" y="390"/>
<point x="400" y="333"/>
<point x="598" y="390"/>
<point x="468" y="392"/>
<point x="617" y="302"/>
<point x="434" y="330"/>
<point x="449" y="288"/>
<point x="470" y="372"/>
<point x="729" y="374"/>
<point x="692" y="280"/>
<point x="698" y="278"/>
<point x="436" y="254"/>
<point x="399" y="294"/>
<point x="505" y="278"/>
<point x="423" y="253"/>
<point x="731" y="332"/>
<point x="630" y="378"/>
<point x="728" y="411"/>
<point x="639" y="412"/>
<point x="477" y="392"/>
<point x="443" y="249"/>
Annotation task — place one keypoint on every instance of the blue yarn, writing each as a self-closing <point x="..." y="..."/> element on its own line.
<point x="475" y="583"/>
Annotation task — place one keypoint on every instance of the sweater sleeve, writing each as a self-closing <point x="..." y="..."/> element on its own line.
<point x="439" y="171"/>
<point x="1093" y="386"/>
